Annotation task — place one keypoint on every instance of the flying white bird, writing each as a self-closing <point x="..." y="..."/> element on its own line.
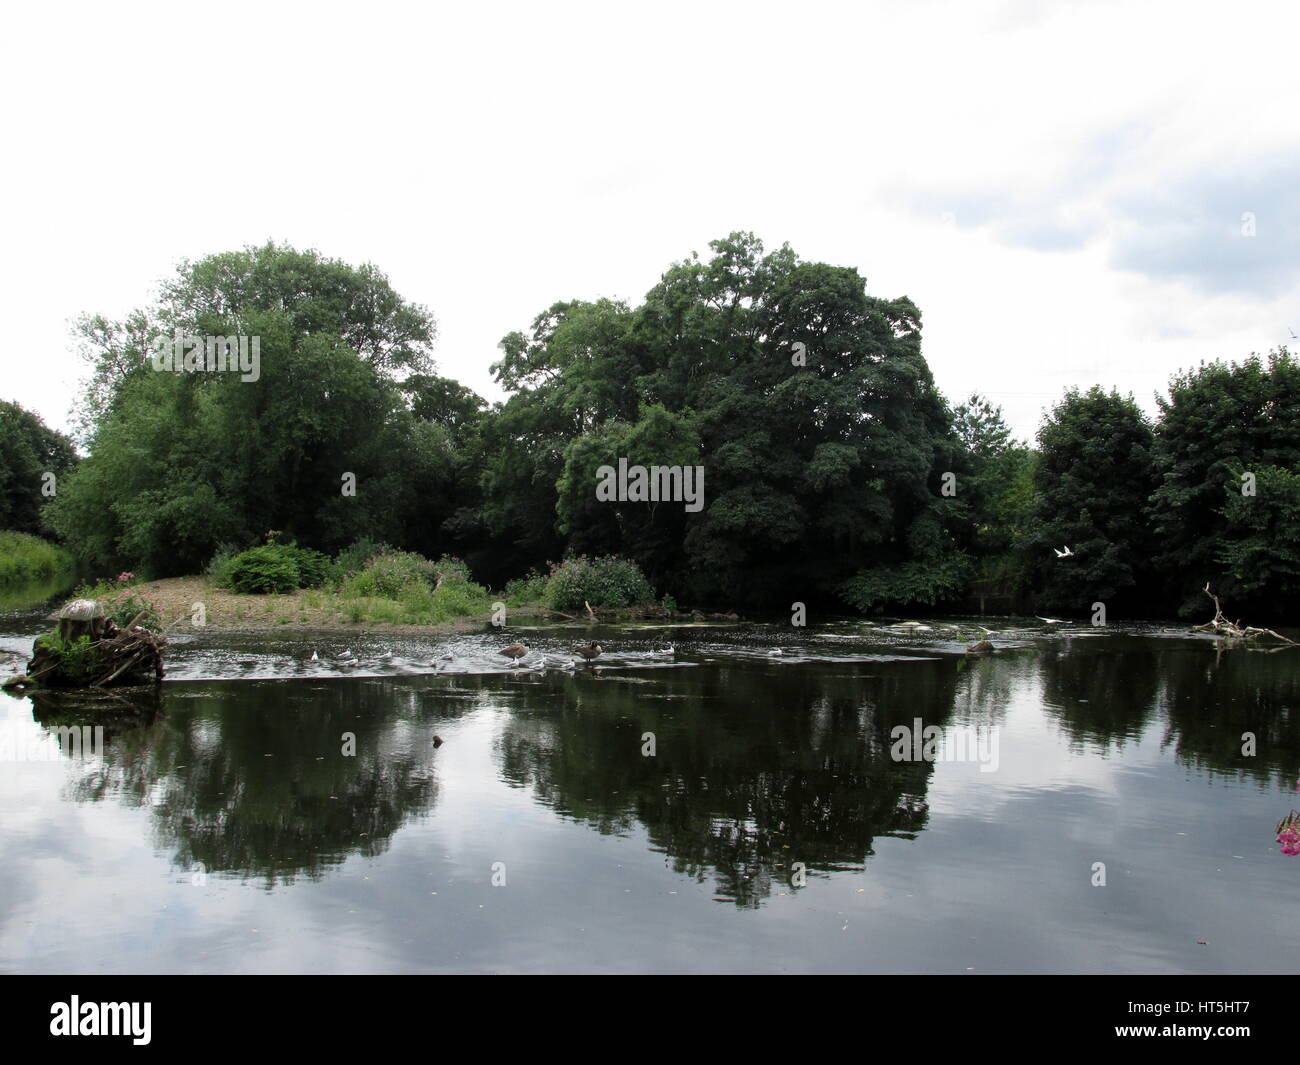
<point x="1066" y="553"/>
<point x="1050" y="621"/>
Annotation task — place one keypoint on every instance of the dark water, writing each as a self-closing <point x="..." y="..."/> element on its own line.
<point x="223" y="829"/>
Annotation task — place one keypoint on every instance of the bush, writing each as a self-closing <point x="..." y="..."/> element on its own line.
<point x="218" y="568"/>
<point x="353" y="558"/>
<point x="451" y="569"/>
<point x="388" y="575"/>
<point x="78" y="660"/>
<point x="129" y="606"/>
<point x="608" y="581"/>
<point x="314" y="568"/>
<point x="28" y="558"/>
<point x="270" y="568"/>
<point x="531" y="588"/>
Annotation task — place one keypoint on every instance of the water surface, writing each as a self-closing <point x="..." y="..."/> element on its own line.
<point x="224" y="829"/>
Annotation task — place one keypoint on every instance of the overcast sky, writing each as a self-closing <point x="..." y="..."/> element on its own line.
<point x="1060" y="187"/>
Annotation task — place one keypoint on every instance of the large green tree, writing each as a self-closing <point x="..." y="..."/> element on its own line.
<point x="181" y="462"/>
<point x="29" y="450"/>
<point x="1218" y="422"/>
<point x="1091" y="482"/>
<point x="806" y="401"/>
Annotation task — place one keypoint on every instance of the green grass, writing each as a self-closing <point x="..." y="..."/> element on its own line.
<point x="29" y="558"/>
<point x="416" y="604"/>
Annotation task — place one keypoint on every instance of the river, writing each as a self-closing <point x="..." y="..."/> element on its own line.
<point x="712" y="798"/>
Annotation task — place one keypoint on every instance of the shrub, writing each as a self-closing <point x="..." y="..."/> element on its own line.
<point x="129" y="606"/>
<point x="27" y="558"/>
<point x="354" y="557"/>
<point x="218" y="568"/>
<point x="78" y="660"/>
<point x="607" y="581"/>
<point x="387" y="575"/>
<point x="270" y="568"/>
<point x="452" y="569"/>
<point x="530" y="588"/>
<point x="314" y="568"/>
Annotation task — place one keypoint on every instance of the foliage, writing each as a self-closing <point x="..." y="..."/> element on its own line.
<point x="1091" y="483"/>
<point x="353" y="557"/>
<point x="78" y="660"/>
<point x="391" y="574"/>
<point x="270" y="568"/>
<point x="924" y="582"/>
<point x="26" y="558"/>
<point x="129" y="607"/>
<point x="1261" y="544"/>
<point x="1217" y="422"/>
<point x="28" y="451"/>
<point x="530" y="588"/>
<point x="607" y="581"/>
<point x="334" y="340"/>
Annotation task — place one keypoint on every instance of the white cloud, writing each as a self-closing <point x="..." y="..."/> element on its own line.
<point x="495" y="159"/>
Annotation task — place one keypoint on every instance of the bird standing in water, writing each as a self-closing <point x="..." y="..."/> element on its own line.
<point x="589" y="651"/>
<point x="515" y="650"/>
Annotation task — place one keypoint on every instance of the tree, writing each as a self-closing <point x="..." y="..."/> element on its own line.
<point x="28" y="450"/>
<point x="1091" y="483"/>
<point x="1218" y="422"/>
<point x="181" y="462"/>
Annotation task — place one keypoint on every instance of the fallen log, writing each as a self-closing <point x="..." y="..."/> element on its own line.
<point x="1220" y="625"/>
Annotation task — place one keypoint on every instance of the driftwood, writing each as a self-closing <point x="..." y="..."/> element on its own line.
<point x="133" y="651"/>
<point x="1219" y="625"/>
<point x="128" y="656"/>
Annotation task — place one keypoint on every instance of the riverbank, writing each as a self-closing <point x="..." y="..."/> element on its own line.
<point x="25" y="558"/>
<point x="309" y="609"/>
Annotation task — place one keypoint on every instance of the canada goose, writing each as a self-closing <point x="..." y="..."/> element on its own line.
<point x="515" y="650"/>
<point x="1066" y="553"/>
<point x="981" y="648"/>
<point x="589" y="651"/>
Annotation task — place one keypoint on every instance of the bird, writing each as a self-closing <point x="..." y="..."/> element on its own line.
<point x="774" y="652"/>
<point x="344" y="656"/>
<point x="1050" y="621"/>
<point x="515" y="650"/>
<point x="386" y="656"/>
<point x="1066" y="553"/>
<point x="589" y="651"/>
<point x="1292" y="332"/>
<point x="981" y="648"/>
<point x="437" y="741"/>
<point x="314" y="656"/>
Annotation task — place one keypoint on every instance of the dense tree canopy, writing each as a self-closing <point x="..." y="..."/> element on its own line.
<point x="29" y="451"/>
<point x="831" y="469"/>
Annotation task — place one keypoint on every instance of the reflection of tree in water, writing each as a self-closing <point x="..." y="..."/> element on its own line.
<point x="1101" y="691"/>
<point x="754" y="770"/>
<point x="1210" y="697"/>
<point x="1106" y="692"/>
<point x="257" y="785"/>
